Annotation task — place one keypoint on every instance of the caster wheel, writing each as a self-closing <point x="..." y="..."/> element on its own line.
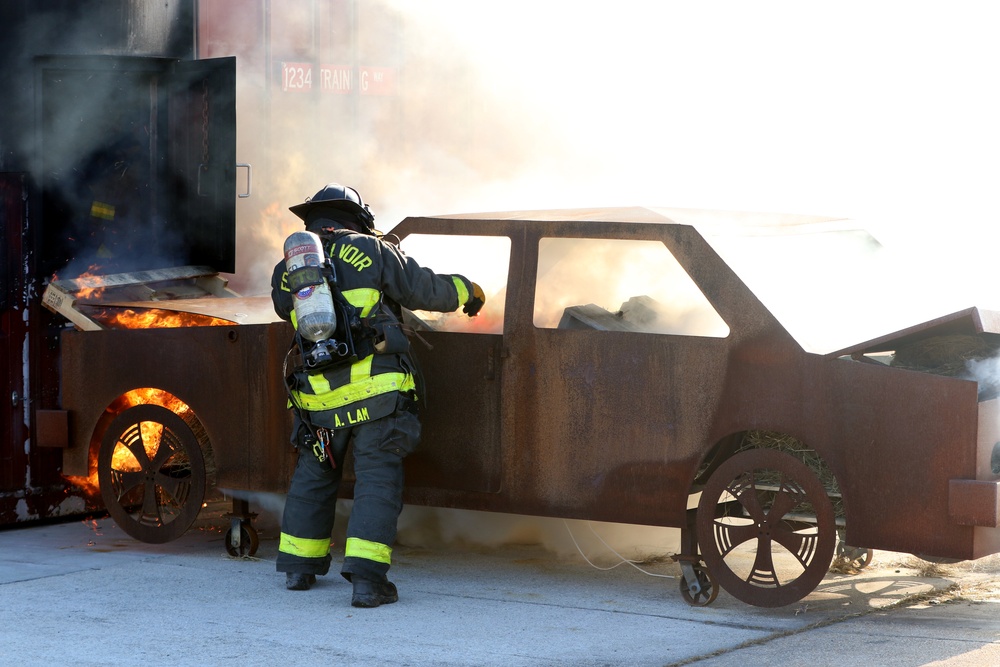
<point x="248" y="542"/>
<point x="707" y="593"/>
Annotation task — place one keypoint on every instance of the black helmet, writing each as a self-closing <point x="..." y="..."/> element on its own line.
<point x="335" y="195"/>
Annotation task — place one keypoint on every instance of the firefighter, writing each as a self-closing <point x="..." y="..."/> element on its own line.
<point x="370" y="402"/>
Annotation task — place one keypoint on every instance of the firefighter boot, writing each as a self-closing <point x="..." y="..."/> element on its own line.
<point x="368" y="593"/>
<point x="299" y="581"/>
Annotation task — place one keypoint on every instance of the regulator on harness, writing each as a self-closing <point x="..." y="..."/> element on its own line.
<point x="325" y="322"/>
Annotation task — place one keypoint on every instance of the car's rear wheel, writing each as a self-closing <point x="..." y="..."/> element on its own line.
<point x="152" y="473"/>
<point x="766" y="528"/>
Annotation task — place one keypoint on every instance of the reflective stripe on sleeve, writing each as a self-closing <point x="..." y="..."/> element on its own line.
<point x="463" y="291"/>
<point x="303" y="547"/>
<point x="358" y="548"/>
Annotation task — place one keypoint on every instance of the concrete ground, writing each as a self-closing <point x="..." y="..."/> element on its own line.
<point x="84" y="593"/>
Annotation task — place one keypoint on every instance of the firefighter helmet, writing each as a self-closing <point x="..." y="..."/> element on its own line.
<point x="335" y="195"/>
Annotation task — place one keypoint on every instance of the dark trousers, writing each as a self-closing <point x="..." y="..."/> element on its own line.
<point x="379" y="448"/>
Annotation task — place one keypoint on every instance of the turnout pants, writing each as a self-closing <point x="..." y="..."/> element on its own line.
<point x="379" y="448"/>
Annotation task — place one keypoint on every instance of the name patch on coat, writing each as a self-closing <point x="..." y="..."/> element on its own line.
<point x="350" y="417"/>
<point x="360" y="412"/>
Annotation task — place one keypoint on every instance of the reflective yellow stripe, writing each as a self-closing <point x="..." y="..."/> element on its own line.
<point x="320" y="385"/>
<point x="102" y="210"/>
<point x="362" y="369"/>
<point x="356" y="391"/>
<point x="362" y="384"/>
<point x="463" y="291"/>
<point x="364" y="298"/>
<point x="359" y="372"/>
<point x="303" y="547"/>
<point x="359" y="548"/>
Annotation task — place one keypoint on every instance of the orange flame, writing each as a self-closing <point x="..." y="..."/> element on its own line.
<point x="154" y="318"/>
<point x="88" y="292"/>
<point x="88" y="484"/>
<point x="91" y="285"/>
<point x="122" y="458"/>
<point x="485" y="322"/>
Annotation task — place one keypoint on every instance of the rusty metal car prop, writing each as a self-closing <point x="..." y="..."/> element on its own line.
<point x="621" y="371"/>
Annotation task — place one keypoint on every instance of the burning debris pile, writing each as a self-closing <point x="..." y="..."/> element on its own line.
<point x="151" y="318"/>
<point x="130" y="300"/>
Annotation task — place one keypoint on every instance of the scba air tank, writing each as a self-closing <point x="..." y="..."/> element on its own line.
<point x="311" y="298"/>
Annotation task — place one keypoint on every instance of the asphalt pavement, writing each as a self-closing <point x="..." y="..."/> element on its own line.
<point x="82" y="592"/>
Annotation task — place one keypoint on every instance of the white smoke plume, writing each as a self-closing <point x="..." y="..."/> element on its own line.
<point x="601" y="543"/>
<point x="869" y="111"/>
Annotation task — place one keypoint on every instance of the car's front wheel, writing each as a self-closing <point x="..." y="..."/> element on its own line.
<point x="766" y="527"/>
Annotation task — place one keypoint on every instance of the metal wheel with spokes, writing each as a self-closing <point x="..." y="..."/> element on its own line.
<point x="766" y="528"/>
<point x="152" y="473"/>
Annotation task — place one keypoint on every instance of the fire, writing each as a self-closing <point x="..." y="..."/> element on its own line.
<point x="122" y="459"/>
<point x="125" y="461"/>
<point x="485" y="322"/>
<point x="150" y="395"/>
<point x="90" y="292"/>
<point x="88" y="484"/>
<point x="154" y="318"/>
<point x="488" y="321"/>
<point x="90" y="284"/>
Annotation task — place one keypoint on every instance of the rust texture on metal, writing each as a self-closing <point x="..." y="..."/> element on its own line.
<point x="625" y="444"/>
<point x="52" y="428"/>
<point x="969" y="322"/>
<point x="229" y="376"/>
<point x="602" y="424"/>
<point x="974" y="503"/>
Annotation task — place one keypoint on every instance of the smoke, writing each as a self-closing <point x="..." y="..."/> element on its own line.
<point x="84" y="131"/>
<point x="866" y="113"/>
<point x="986" y="372"/>
<point x="447" y="140"/>
<point x="598" y="542"/>
<point x="270" y="504"/>
<point x="438" y="528"/>
<point x="869" y="112"/>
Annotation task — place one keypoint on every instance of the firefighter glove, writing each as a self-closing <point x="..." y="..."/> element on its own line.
<point x="475" y="302"/>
